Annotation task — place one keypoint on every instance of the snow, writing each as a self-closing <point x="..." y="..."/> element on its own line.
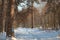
<point x="36" y="34"/>
<point x="38" y="6"/>
<point x="2" y="36"/>
<point x="32" y="34"/>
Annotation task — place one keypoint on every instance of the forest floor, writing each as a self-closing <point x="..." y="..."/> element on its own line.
<point x="33" y="34"/>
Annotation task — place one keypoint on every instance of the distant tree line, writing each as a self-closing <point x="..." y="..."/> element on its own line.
<point x="51" y="15"/>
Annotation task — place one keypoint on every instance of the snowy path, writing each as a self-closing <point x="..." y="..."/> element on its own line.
<point x="33" y="34"/>
<point x="36" y="34"/>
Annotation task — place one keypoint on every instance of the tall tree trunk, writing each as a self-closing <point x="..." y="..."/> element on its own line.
<point x="32" y="14"/>
<point x="10" y="18"/>
<point x="5" y="4"/>
<point x="1" y="19"/>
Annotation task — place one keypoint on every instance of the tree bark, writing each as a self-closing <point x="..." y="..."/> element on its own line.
<point x="1" y="19"/>
<point x="10" y="19"/>
<point x="32" y="14"/>
<point x="5" y="4"/>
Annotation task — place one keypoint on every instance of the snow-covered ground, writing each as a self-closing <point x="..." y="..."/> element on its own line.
<point x="33" y="34"/>
<point x="2" y="36"/>
<point x="36" y="34"/>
